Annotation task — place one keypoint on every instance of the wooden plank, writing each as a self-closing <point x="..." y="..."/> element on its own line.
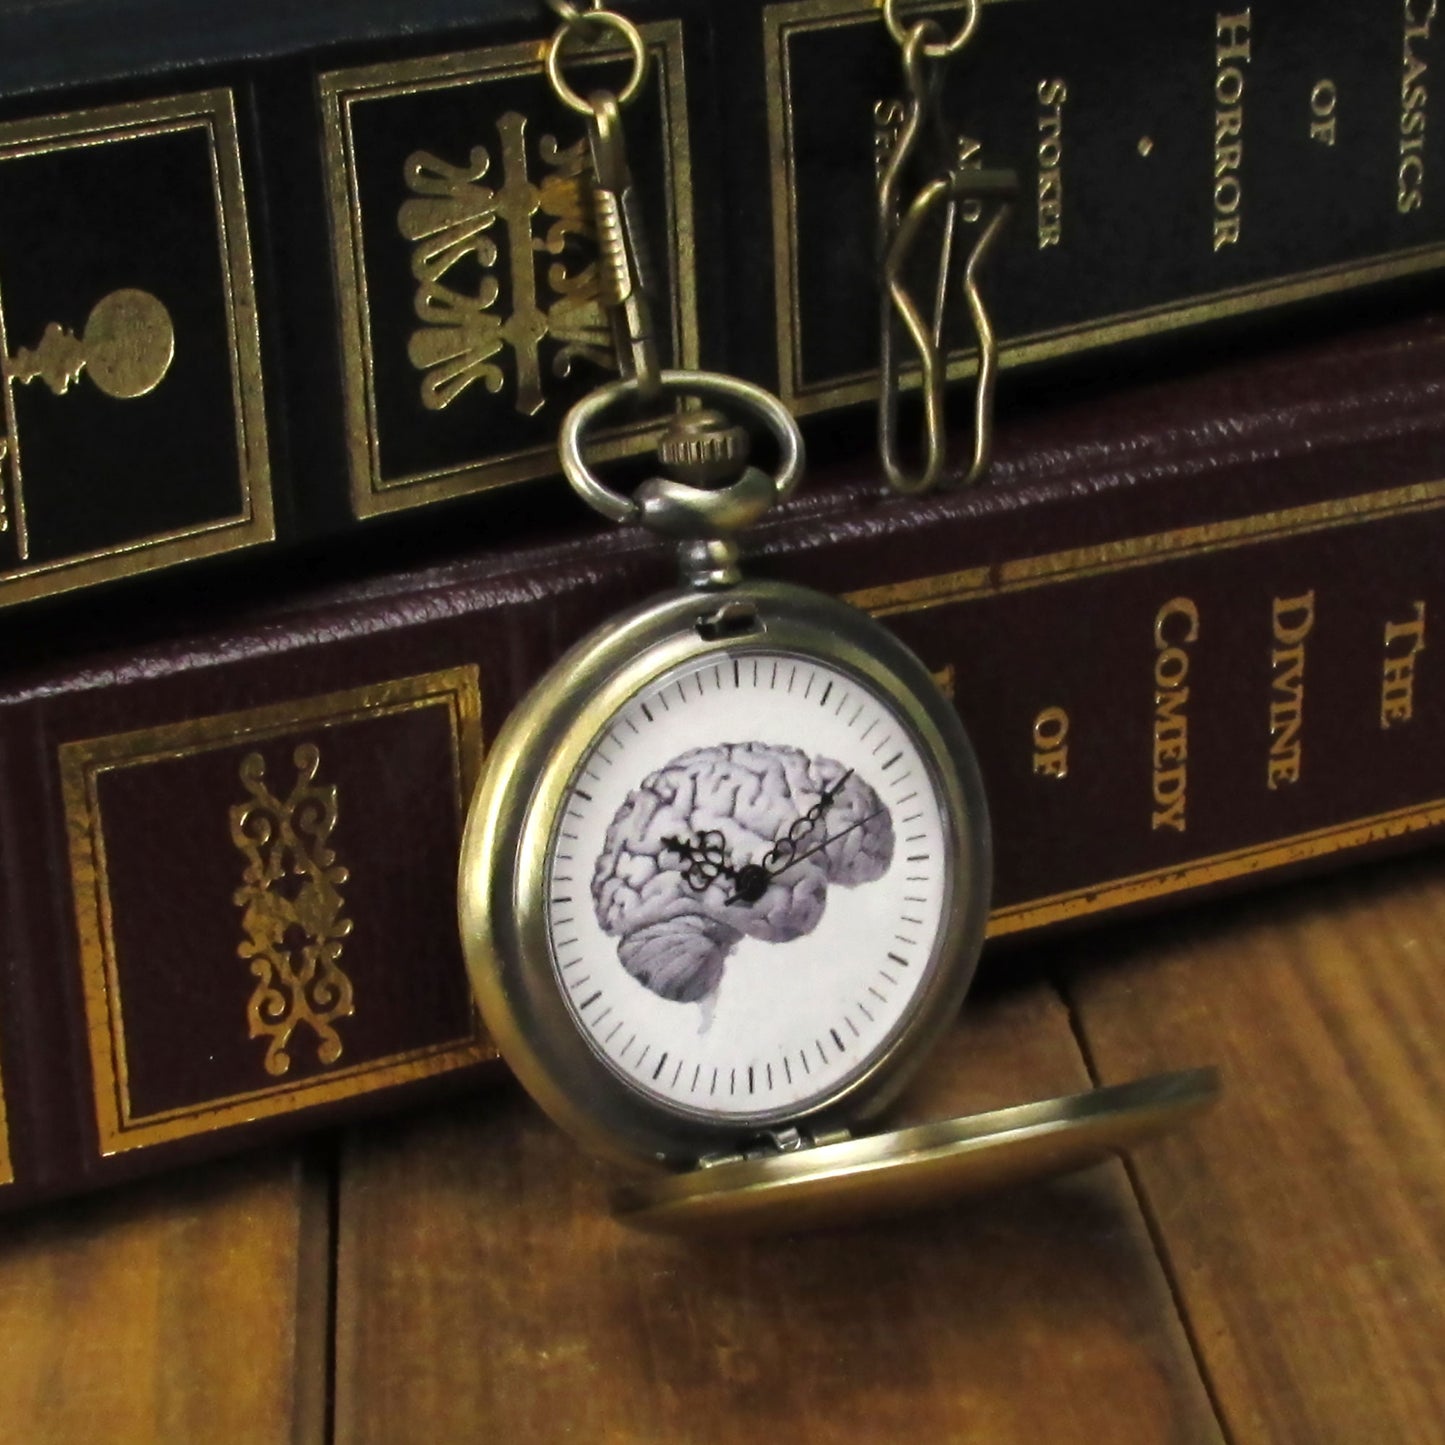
<point x="482" y="1289"/>
<point x="1304" y="1218"/>
<point x="190" y="1308"/>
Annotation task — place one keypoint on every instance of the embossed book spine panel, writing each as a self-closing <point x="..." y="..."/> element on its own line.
<point x="1179" y="165"/>
<point x="463" y="253"/>
<point x="133" y="427"/>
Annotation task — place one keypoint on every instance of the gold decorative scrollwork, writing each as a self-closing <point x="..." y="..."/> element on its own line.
<point x="126" y="348"/>
<point x="447" y="219"/>
<point x="291" y="897"/>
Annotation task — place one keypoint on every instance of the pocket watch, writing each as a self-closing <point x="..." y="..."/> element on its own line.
<point x="725" y="878"/>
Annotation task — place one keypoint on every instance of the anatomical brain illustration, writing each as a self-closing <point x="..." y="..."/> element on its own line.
<point x="727" y="841"/>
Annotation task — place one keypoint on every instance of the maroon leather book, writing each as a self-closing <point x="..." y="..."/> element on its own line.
<point x="1187" y="628"/>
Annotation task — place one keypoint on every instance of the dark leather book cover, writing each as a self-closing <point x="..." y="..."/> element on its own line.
<point x="266" y="277"/>
<point x="1187" y="627"/>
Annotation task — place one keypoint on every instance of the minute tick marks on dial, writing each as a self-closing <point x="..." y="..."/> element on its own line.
<point x="732" y="817"/>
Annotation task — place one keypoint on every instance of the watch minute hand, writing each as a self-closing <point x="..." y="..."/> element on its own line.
<point x="784" y="851"/>
<point x="753" y="879"/>
<point x="828" y="842"/>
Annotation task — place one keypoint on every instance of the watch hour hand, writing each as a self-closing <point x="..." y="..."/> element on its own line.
<point x="701" y="861"/>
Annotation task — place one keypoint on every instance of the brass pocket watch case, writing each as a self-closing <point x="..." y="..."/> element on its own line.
<point x="725" y="880"/>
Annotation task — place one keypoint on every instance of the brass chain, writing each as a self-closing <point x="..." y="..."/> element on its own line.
<point x="956" y="186"/>
<point x="697" y="448"/>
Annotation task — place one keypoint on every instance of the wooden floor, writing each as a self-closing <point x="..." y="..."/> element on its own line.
<point x="1275" y="1273"/>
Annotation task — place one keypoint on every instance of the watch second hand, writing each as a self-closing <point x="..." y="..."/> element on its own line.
<point x="739" y="897"/>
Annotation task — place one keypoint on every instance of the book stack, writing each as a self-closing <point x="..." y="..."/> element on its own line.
<point x="280" y="280"/>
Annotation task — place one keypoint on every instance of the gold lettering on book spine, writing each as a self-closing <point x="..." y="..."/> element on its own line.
<point x="1293" y="619"/>
<point x="1403" y="642"/>
<point x="291" y="899"/>
<point x="1414" y="98"/>
<point x="450" y="217"/>
<point x="1176" y="629"/>
<point x="1231" y="59"/>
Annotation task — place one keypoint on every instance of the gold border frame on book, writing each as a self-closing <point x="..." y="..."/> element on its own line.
<point x="972" y="584"/>
<point x="7" y="1166"/>
<point x="791" y="17"/>
<point x="81" y="764"/>
<point x="213" y="111"/>
<point x="340" y="91"/>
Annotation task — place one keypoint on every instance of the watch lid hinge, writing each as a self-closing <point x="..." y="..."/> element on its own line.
<point x="772" y="1142"/>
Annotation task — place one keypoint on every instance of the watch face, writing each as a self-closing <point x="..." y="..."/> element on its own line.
<point x="748" y="880"/>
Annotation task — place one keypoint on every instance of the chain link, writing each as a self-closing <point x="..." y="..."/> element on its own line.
<point x="933" y="49"/>
<point x="597" y="20"/>
<point x="568" y="13"/>
<point x="955" y="191"/>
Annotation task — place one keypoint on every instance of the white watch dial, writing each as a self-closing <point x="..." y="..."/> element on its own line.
<point x="746" y="885"/>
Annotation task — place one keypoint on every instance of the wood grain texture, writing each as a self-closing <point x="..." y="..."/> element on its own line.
<point x="189" y="1309"/>
<point x="1305" y="1218"/>
<point x="484" y="1294"/>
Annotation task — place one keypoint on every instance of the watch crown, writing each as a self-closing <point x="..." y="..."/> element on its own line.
<point x="702" y="447"/>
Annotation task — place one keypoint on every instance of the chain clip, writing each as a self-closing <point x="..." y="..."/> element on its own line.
<point x="708" y="492"/>
<point x="622" y="262"/>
